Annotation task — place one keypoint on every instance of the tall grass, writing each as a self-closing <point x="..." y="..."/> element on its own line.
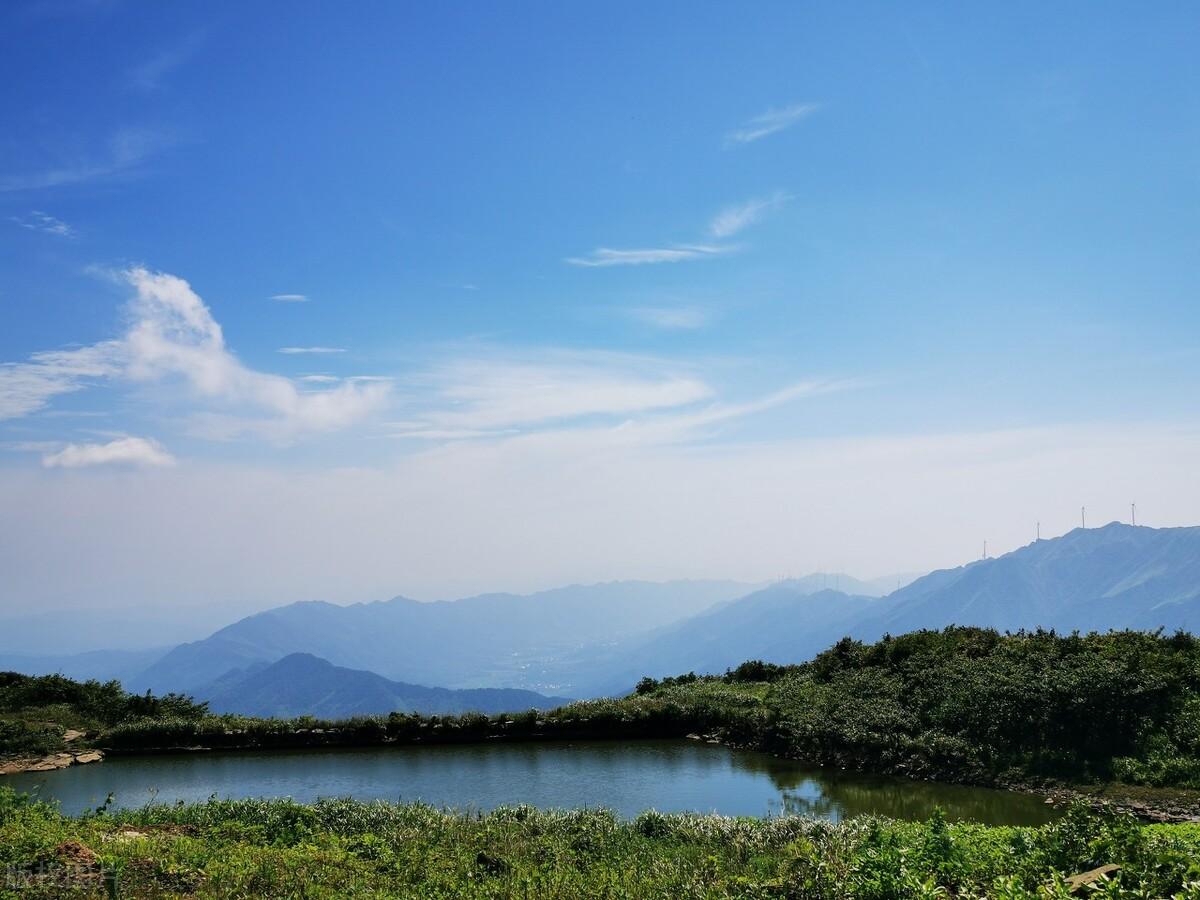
<point x="344" y="848"/>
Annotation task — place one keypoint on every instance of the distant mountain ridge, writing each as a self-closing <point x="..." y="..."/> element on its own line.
<point x="1114" y="577"/>
<point x="594" y="639"/>
<point x="785" y="622"/>
<point x="1096" y="579"/>
<point x="303" y="684"/>
<point x="489" y="640"/>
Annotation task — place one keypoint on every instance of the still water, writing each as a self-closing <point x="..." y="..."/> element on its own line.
<point x="670" y="776"/>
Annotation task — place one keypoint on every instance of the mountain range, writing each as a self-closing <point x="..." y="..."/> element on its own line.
<point x="491" y="640"/>
<point x="303" y="684"/>
<point x="1118" y="576"/>
<point x="599" y="639"/>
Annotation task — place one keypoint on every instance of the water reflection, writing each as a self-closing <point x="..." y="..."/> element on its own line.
<point x="625" y="777"/>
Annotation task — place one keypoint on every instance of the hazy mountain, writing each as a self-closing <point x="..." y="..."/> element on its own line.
<point x="786" y="622"/>
<point x="583" y="640"/>
<point x="1118" y="576"/>
<point x="837" y="581"/>
<point x="489" y="640"/>
<point x="887" y="584"/>
<point x="302" y="684"/>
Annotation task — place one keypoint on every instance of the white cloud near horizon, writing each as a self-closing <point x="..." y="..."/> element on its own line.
<point x="173" y="335"/>
<point x="771" y="122"/>
<point x="129" y="451"/>
<point x="740" y="216"/>
<point x="606" y="256"/>
<point x="463" y="518"/>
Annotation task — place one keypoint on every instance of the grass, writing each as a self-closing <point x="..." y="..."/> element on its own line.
<point x="344" y="848"/>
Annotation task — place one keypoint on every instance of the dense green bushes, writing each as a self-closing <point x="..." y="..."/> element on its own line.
<point x="103" y="702"/>
<point x="36" y="710"/>
<point x="972" y="704"/>
<point x="704" y="705"/>
<point x="343" y="848"/>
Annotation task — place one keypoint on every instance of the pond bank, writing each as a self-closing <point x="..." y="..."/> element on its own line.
<point x="49" y="763"/>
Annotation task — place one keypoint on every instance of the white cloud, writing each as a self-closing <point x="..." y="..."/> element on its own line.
<point x="604" y="256"/>
<point x="173" y="335"/>
<point x="40" y="221"/>
<point x="770" y="122"/>
<point x="126" y="150"/>
<point x="291" y="351"/>
<point x="28" y="387"/>
<point x="474" y="397"/>
<point x="290" y="298"/>
<point x="670" y="317"/>
<point x="733" y="219"/>
<point x="320" y="379"/>
<point x="130" y="451"/>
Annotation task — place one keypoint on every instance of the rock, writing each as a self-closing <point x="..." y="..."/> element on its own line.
<point x="50" y="763"/>
<point x="90" y="757"/>
<point x="1092" y="876"/>
<point x="72" y="735"/>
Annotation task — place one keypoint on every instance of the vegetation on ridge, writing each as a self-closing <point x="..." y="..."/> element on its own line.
<point x="970" y="704"/>
<point x="37" y="711"/>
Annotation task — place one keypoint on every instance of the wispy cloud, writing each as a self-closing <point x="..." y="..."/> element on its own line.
<point x="670" y="317"/>
<point x="319" y="379"/>
<point x="290" y="298"/>
<point x="28" y="387"/>
<point x="575" y="397"/>
<point x="733" y="219"/>
<point x="174" y="335"/>
<point x="129" y="451"/>
<point x="149" y="75"/>
<point x="475" y="396"/>
<point x="771" y="122"/>
<point x="126" y="150"/>
<point x="292" y="351"/>
<point x="40" y="221"/>
<point x="604" y="256"/>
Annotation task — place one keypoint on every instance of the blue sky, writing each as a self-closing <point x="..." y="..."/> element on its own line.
<point x="577" y="267"/>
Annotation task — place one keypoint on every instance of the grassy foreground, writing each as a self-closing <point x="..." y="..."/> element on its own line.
<point x="343" y="848"/>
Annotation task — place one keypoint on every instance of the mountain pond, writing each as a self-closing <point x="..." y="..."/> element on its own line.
<point x="626" y="777"/>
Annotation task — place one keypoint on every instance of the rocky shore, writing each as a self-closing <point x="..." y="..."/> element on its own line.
<point x="49" y="763"/>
